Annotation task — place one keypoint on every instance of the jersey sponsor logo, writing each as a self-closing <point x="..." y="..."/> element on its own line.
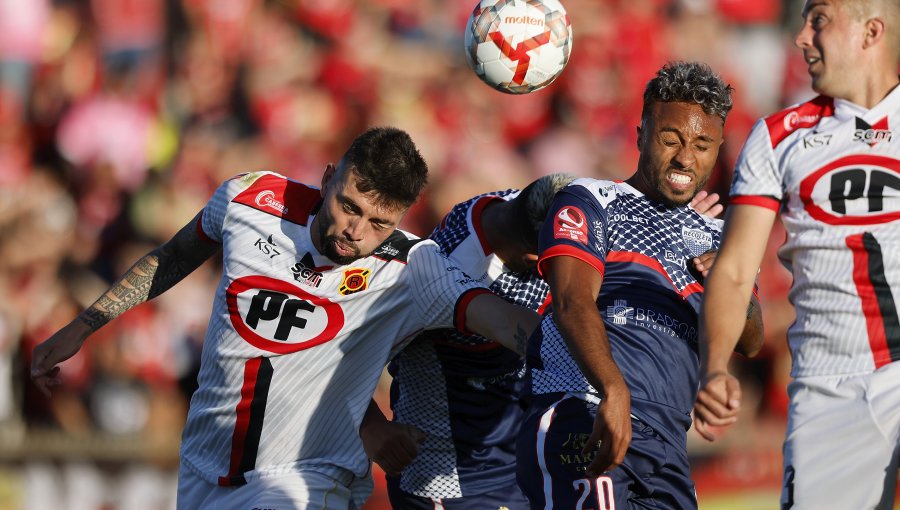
<point x="619" y="312"/>
<point x="860" y="189"/>
<point x="386" y="250"/>
<point x="569" y="224"/>
<point x="606" y="194"/>
<point x="816" y="140"/>
<point x="279" y="317"/>
<point x="266" y="198"/>
<point x="267" y="246"/>
<point x="305" y="275"/>
<point x="872" y="134"/>
<point x="697" y="241"/>
<point x="784" y="123"/>
<point x="355" y="279"/>
<point x="599" y="237"/>
<point x="795" y="119"/>
<point x="674" y="258"/>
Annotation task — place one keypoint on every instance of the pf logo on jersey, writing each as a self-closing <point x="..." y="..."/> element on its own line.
<point x="280" y="317"/>
<point x="862" y="189"/>
<point x="569" y="224"/>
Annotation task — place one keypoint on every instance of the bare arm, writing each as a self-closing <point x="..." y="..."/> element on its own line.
<point x="149" y="277"/>
<point x="574" y="285"/>
<point x="723" y="316"/>
<point x="510" y="325"/>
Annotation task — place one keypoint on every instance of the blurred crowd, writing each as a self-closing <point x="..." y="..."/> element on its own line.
<point x="118" y="118"/>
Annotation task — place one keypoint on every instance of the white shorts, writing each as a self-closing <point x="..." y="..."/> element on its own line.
<point x="842" y="441"/>
<point x="304" y="490"/>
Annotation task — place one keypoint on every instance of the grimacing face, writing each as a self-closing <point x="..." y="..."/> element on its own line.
<point x="679" y="144"/>
<point x="349" y="225"/>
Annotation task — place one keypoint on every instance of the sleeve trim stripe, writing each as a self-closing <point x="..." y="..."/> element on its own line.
<point x="570" y="251"/>
<point x="201" y="233"/>
<point x="766" y="202"/>
<point x="462" y="305"/>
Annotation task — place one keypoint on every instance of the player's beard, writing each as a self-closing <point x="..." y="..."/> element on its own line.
<point x="328" y="249"/>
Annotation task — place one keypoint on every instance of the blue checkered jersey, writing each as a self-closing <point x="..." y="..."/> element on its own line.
<point x="649" y="298"/>
<point x="463" y="391"/>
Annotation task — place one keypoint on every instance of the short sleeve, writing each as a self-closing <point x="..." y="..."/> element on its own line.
<point x="213" y="218"/>
<point x="575" y="227"/>
<point x="441" y="290"/>
<point x="757" y="177"/>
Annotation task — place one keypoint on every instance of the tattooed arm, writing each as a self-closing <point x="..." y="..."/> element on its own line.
<point x="153" y="274"/>
<point x="505" y="323"/>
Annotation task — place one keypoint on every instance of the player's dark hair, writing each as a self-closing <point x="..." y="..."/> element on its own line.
<point x="689" y="82"/>
<point x="387" y="163"/>
<point x="533" y="203"/>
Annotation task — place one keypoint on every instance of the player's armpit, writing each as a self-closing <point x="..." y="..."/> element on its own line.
<point x="505" y="323"/>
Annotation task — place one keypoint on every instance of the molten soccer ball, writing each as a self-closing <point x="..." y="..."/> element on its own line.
<point x="518" y="46"/>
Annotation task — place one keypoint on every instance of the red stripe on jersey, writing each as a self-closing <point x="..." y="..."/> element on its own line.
<point x="784" y="123"/>
<point x="242" y="424"/>
<point x="866" y="291"/>
<point x="462" y="305"/>
<point x="201" y="233"/>
<point x="281" y="197"/>
<point x="770" y="203"/>
<point x="875" y="297"/>
<point x="569" y="251"/>
<point x="638" y="258"/>
<point x="477" y="209"/>
<point x="547" y="300"/>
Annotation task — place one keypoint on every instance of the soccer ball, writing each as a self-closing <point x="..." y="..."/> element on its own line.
<point x="518" y="46"/>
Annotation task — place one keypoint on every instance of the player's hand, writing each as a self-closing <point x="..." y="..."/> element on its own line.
<point x="704" y="262"/>
<point x="612" y="431"/>
<point x="391" y="445"/>
<point x="64" y="344"/>
<point x="718" y="403"/>
<point x="707" y="204"/>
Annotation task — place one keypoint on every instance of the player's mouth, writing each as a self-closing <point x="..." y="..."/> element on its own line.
<point x="679" y="181"/>
<point x="344" y="249"/>
<point x="811" y="61"/>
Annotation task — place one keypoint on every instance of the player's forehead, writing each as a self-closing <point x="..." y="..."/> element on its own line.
<point x="809" y="5"/>
<point x="686" y="119"/>
<point x="370" y="202"/>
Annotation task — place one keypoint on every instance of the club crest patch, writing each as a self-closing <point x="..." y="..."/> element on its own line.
<point x="569" y="223"/>
<point x="355" y="280"/>
<point x="697" y="241"/>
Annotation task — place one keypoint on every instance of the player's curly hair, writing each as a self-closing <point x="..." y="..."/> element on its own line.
<point x="387" y="163"/>
<point x="689" y="82"/>
<point x="533" y="203"/>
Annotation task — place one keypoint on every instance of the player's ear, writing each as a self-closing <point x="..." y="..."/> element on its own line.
<point x="638" y="129"/>
<point x="874" y="32"/>
<point x="326" y="177"/>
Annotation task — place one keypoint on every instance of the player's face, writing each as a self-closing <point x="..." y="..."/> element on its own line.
<point x="829" y="39"/>
<point x="350" y="225"/>
<point x="679" y="144"/>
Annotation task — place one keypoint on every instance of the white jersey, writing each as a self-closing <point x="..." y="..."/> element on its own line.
<point x="832" y="169"/>
<point x="295" y="345"/>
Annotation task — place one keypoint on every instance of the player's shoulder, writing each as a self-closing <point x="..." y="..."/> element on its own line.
<point x="783" y="124"/>
<point x="275" y="194"/>
<point x="398" y="246"/>
<point x="601" y="191"/>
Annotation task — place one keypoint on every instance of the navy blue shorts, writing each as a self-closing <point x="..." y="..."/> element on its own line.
<point x="509" y="497"/>
<point x="550" y="467"/>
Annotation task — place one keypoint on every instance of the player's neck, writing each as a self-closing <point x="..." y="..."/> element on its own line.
<point x="497" y="226"/>
<point x="873" y="90"/>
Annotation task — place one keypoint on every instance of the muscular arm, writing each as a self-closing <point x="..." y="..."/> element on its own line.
<point x="510" y="325"/>
<point x="149" y="277"/>
<point x="574" y="285"/>
<point x="723" y="317"/>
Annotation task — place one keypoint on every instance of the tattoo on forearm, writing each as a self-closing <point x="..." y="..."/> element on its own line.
<point x="130" y="290"/>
